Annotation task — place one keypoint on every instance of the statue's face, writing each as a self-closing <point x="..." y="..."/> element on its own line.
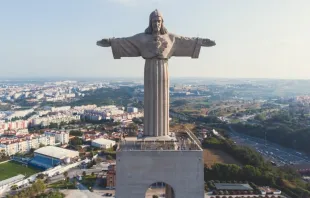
<point x="156" y="24"/>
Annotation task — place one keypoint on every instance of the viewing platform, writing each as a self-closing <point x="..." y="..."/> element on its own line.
<point x="183" y="141"/>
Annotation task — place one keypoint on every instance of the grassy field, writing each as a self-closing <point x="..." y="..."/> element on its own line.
<point x="212" y="156"/>
<point x="11" y="169"/>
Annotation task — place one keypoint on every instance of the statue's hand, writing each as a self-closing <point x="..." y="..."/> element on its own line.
<point x="104" y="43"/>
<point x="207" y="43"/>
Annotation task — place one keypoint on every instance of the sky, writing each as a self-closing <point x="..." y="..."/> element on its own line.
<point x="57" y="38"/>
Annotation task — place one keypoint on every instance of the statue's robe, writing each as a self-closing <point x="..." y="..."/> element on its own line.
<point x="156" y="50"/>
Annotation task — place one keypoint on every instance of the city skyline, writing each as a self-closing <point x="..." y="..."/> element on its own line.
<point x="257" y="39"/>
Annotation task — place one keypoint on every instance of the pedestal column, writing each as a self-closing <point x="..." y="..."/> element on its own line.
<point x="156" y="97"/>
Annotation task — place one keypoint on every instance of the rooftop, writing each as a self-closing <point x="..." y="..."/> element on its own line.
<point x="229" y="186"/>
<point x="12" y="179"/>
<point x="56" y="152"/>
<point x="103" y="141"/>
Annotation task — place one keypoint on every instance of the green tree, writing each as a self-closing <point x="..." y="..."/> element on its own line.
<point x="40" y="176"/>
<point x="109" y="157"/>
<point x="14" y="187"/>
<point x="76" y="141"/>
<point x="251" y="172"/>
<point x="65" y="174"/>
<point x="84" y="173"/>
<point x="76" y="133"/>
<point x="30" y="192"/>
<point x="137" y="120"/>
<point x="38" y="186"/>
<point x="259" y="117"/>
<point x="53" y="125"/>
<point x="133" y="126"/>
<point x="178" y="103"/>
<point x="47" y="180"/>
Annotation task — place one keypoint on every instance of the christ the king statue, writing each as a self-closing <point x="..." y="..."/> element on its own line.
<point x="156" y="46"/>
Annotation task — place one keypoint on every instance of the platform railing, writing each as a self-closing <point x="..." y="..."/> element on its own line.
<point x="193" y="137"/>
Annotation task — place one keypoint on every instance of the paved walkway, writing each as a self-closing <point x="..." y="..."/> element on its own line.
<point x="82" y="192"/>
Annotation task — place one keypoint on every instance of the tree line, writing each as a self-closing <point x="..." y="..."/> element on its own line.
<point x="3" y="156"/>
<point x="283" y="129"/>
<point x="36" y="190"/>
<point x="255" y="169"/>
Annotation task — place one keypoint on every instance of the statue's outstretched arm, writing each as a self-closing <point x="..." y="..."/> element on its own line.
<point x="207" y="43"/>
<point x="122" y="47"/>
<point x="106" y="42"/>
<point x="190" y="47"/>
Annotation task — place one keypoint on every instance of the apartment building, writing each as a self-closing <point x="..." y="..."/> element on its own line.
<point x="60" y="136"/>
<point x="25" y="143"/>
<point x="45" y="121"/>
<point x="111" y="176"/>
<point x="18" y="124"/>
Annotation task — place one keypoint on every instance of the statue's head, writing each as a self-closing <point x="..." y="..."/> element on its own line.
<point x="156" y="24"/>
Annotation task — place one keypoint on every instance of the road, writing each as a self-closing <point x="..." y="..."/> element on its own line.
<point x="270" y="151"/>
<point x="74" y="172"/>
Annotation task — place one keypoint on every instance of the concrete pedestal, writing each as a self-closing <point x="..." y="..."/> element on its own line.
<point x="137" y="170"/>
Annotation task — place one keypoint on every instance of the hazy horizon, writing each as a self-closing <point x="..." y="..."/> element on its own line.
<point x="57" y="39"/>
<point x="60" y="78"/>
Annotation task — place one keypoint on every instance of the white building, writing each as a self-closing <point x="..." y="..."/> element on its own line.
<point x="126" y="116"/>
<point x="24" y="144"/>
<point x="132" y="110"/>
<point x="54" y="99"/>
<point x="39" y="96"/>
<point x="56" y="152"/>
<point x="85" y="107"/>
<point x="54" y="119"/>
<point x="71" y="95"/>
<point x="103" y="143"/>
<point x="60" y="136"/>
<point x="104" y="111"/>
<point x="18" y="124"/>
<point x="43" y="112"/>
<point x="63" y="108"/>
<point x="22" y="113"/>
<point x="10" y="181"/>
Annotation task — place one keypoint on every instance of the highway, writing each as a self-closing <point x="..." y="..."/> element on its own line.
<point x="270" y="151"/>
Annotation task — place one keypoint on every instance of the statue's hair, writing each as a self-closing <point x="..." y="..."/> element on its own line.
<point x="149" y="30"/>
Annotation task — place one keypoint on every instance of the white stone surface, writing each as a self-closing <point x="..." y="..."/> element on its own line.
<point x="156" y="46"/>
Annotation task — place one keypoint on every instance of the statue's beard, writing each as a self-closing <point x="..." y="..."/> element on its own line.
<point x="156" y="30"/>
